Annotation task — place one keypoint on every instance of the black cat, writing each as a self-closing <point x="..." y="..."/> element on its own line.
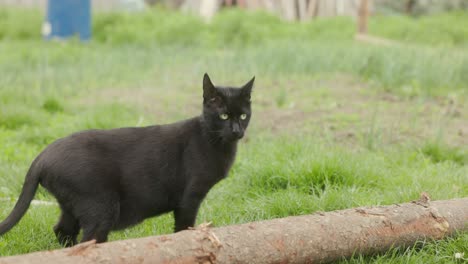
<point x="106" y="180"/>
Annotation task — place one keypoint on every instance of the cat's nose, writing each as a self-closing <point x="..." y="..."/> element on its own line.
<point x="238" y="134"/>
<point x="237" y="131"/>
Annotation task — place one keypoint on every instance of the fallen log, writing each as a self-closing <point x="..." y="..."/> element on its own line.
<point x="320" y="237"/>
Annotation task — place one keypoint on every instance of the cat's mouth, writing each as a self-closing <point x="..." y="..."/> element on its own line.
<point x="239" y="136"/>
<point x="233" y="137"/>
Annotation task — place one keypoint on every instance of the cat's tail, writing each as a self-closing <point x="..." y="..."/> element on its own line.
<point x="27" y="194"/>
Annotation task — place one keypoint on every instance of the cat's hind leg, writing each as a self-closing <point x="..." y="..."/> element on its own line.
<point x="66" y="230"/>
<point x="99" y="219"/>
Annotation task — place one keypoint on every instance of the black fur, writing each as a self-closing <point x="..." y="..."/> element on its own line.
<point x="105" y="180"/>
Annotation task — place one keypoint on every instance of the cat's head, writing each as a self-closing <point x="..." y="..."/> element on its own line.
<point x="226" y="110"/>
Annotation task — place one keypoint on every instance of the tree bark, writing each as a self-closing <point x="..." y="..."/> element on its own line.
<point x="320" y="237"/>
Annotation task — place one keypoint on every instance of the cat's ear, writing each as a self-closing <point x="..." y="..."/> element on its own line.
<point x="247" y="88"/>
<point x="209" y="90"/>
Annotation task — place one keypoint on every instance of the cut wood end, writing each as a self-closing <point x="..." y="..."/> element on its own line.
<point x="443" y="226"/>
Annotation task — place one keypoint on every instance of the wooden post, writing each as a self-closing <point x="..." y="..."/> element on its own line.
<point x="410" y="6"/>
<point x="316" y="238"/>
<point x="302" y="8"/>
<point x="363" y="16"/>
<point x="289" y="9"/>
<point x="312" y="8"/>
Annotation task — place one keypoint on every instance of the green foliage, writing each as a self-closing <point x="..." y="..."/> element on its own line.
<point x="446" y="29"/>
<point x="439" y="152"/>
<point x="108" y="116"/>
<point x="234" y="28"/>
<point x="153" y="27"/>
<point x="308" y="168"/>
<point x="281" y="98"/>
<point x="13" y="119"/>
<point x="52" y="105"/>
<point x="20" y="24"/>
<point x="229" y="28"/>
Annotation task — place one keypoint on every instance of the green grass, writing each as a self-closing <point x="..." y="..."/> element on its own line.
<point x="323" y="136"/>
<point x="446" y="29"/>
<point x="323" y="45"/>
<point x="441" y="153"/>
<point x="52" y="105"/>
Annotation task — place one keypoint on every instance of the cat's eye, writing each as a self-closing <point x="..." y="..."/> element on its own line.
<point x="224" y="116"/>
<point x="243" y="116"/>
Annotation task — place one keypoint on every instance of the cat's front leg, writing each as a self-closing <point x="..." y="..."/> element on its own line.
<point x="186" y="213"/>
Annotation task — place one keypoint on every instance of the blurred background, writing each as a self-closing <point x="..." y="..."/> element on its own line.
<point x="287" y="10"/>
<point x="292" y="9"/>
<point x="356" y="102"/>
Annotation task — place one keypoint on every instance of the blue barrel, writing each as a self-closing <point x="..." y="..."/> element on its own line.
<point x="67" y="18"/>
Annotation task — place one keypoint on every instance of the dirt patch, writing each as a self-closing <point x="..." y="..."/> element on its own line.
<point x="350" y="111"/>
